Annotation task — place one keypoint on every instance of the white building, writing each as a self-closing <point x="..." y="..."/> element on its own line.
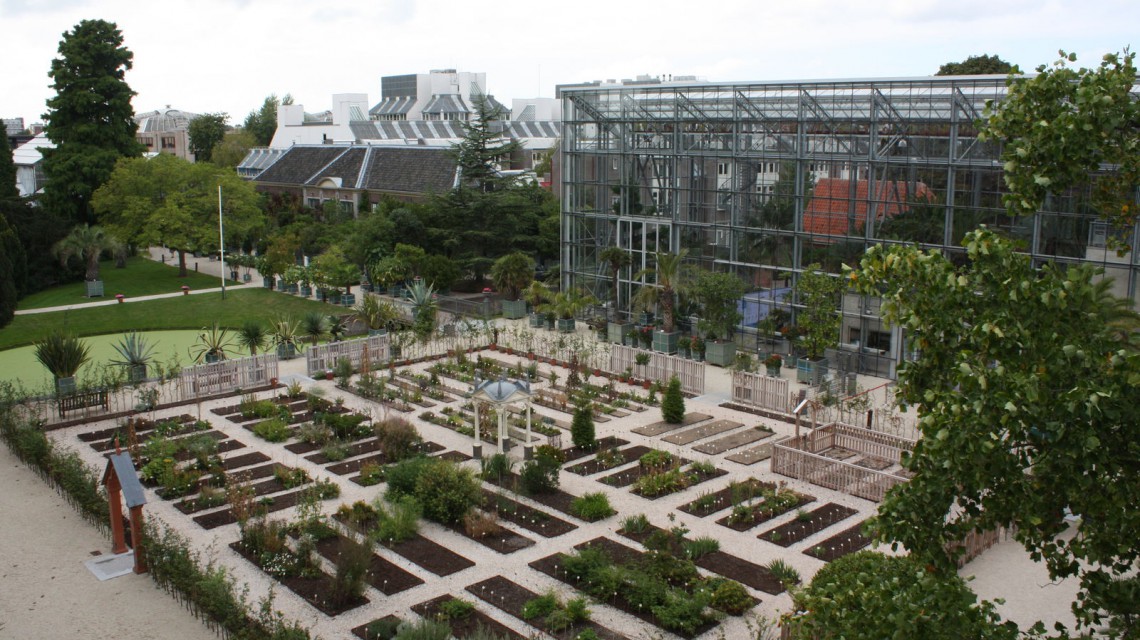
<point x="29" y="164"/>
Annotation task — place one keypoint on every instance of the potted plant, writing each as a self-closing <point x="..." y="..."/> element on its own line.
<point x="338" y="273"/>
<point x="642" y="361"/>
<point x="819" y="295"/>
<point x="684" y="344"/>
<point x="536" y="295"/>
<point x="617" y="259"/>
<point x="565" y="305"/>
<point x="772" y="363"/>
<point x="212" y="345"/>
<point x="424" y="308"/>
<point x="698" y="348"/>
<point x="631" y="336"/>
<point x="293" y="277"/>
<point x="136" y="354"/>
<point x="376" y="314"/>
<point x="86" y="243"/>
<point x="672" y="277"/>
<point x="719" y="295"/>
<point x="512" y="274"/>
<point x="252" y="336"/>
<point x="62" y="354"/>
<point x="286" y="337"/>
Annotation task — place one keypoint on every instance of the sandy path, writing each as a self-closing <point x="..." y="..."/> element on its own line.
<point x="46" y="592"/>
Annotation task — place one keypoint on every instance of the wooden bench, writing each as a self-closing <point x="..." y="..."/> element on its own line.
<point x="84" y="400"/>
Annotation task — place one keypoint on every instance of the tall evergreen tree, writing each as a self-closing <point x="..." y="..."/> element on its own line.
<point x="484" y="147"/>
<point x="263" y="122"/>
<point x="90" y="118"/>
<point x="8" y="189"/>
<point x="11" y="259"/>
<point x="974" y="66"/>
<point x="206" y="131"/>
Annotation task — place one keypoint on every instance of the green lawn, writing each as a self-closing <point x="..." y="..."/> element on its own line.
<point x="181" y="312"/>
<point x="141" y="277"/>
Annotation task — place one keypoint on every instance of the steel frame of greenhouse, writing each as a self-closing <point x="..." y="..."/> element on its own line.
<point x="765" y="178"/>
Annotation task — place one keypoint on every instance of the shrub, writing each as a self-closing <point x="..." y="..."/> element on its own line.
<point x="656" y="461"/>
<point x="584" y="563"/>
<point x="346" y="426"/>
<point x="540" y="474"/>
<point x="335" y="451"/>
<point x="352" y="562"/>
<point x="480" y="525"/>
<point x="403" y="476"/>
<point x="398" y="521"/>
<point x="540" y="607"/>
<point x="313" y="433"/>
<point x="383" y="629"/>
<point x="592" y="507"/>
<point x="291" y="477"/>
<point x="582" y="426"/>
<point x="324" y="490"/>
<point x="659" y="484"/>
<point x="635" y="524"/>
<point x="272" y="430"/>
<point x="784" y="572"/>
<point x="731" y="597"/>
<point x="588" y="634"/>
<point x="703" y="467"/>
<point x="371" y="473"/>
<point x="609" y="458"/>
<point x="681" y="612"/>
<point x="447" y="492"/>
<point x="552" y="452"/>
<point x="673" y="402"/>
<point x="701" y="546"/>
<point x="398" y="438"/>
<point x="456" y="609"/>
<point x="424" y="629"/>
<point x="496" y="467"/>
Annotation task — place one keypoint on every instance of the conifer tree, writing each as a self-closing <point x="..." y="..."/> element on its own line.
<point x="90" y="119"/>
<point x="673" y="403"/>
<point x="582" y="426"/>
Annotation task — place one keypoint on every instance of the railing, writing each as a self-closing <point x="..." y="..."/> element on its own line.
<point x="661" y="367"/>
<point x="977" y="542"/>
<point x="373" y="349"/>
<point x="832" y="474"/>
<point x="227" y="375"/>
<point x="765" y="392"/>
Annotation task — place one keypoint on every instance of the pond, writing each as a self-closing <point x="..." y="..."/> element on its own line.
<point x="20" y="365"/>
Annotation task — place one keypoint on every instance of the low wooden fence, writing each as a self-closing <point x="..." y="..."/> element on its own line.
<point x="802" y="459"/>
<point x="661" y="367"/>
<point x="976" y="542"/>
<point x="227" y="376"/>
<point x="373" y="349"/>
<point x="765" y="392"/>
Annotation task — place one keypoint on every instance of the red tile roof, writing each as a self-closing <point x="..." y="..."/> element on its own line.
<point x="829" y="209"/>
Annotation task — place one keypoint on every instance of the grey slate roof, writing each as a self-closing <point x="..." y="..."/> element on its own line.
<point x="393" y="169"/>
<point x="447" y="129"/>
<point x="133" y="493"/>
<point x="258" y="160"/>
<point x="393" y="105"/>
<point x="446" y="103"/>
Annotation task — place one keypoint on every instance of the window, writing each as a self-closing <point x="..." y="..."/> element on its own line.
<point x="722" y="168"/>
<point x="167" y="142"/>
<point x="314" y="203"/>
<point x="146" y="141"/>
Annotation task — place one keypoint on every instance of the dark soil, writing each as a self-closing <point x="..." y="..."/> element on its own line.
<point x="694" y="477"/>
<point x="558" y="500"/>
<point x="142" y="426"/>
<point x="362" y="631"/>
<point x="575" y="453"/>
<point x="244" y="460"/>
<point x="792" y="532"/>
<point x="747" y="573"/>
<point x="315" y="591"/>
<point x="760" y="514"/>
<point x="301" y="448"/>
<point x="189" y="430"/>
<point x="353" y="466"/>
<point x="463" y="627"/>
<point x="226" y="516"/>
<point x="501" y="541"/>
<point x="353" y="450"/>
<point x="531" y="519"/>
<point x="847" y="541"/>
<point x="382" y="574"/>
<point x="721" y="499"/>
<point x="591" y="467"/>
<point x="431" y="556"/>
<point x="510" y="597"/>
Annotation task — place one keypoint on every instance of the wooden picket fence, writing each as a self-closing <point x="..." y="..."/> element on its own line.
<point x="762" y="391"/>
<point x="802" y="459"/>
<point x="321" y="358"/>
<point x="661" y="368"/>
<point x="227" y="376"/>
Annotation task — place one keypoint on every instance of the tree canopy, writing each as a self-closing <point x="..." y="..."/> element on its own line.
<point x="1064" y="125"/>
<point x="8" y="188"/>
<point x="1026" y="400"/>
<point x="232" y="148"/>
<point x="975" y="66"/>
<point x="168" y="201"/>
<point x="90" y="118"/>
<point x="206" y="131"/>
<point x="262" y="123"/>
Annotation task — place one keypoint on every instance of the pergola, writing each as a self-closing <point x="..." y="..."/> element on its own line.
<point x="501" y="394"/>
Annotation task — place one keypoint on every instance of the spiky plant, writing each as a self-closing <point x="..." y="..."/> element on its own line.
<point x="213" y="343"/>
<point x="136" y="353"/>
<point x="252" y="336"/>
<point x="62" y="354"/>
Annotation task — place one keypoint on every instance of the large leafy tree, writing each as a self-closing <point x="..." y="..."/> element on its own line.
<point x="168" y="201"/>
<point x="975" y="65"/>
<point x="86" y="243"/>
<point x="12" y="267"/>
<point x="1067" y="128"/>
<point x="1026" y="400"/>
<point x="262" y="123"/>
<point x="232" y="149"/>
<point x="206" y="131"/>
<point x="89" y="119"/>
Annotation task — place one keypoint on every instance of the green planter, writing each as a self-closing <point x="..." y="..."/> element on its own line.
<point x="773" y="371"/>
<point x="348" y="299"/>
<point x="537" y="320"/>
<point x="720" y="353"/>
<point x="514" y="309"/>
<point x="94" y="288"/>
<point x="811" y="371"/>
<point x="286" y="351"/>
<point x="616" y="331"/>
<point x="65" y="386"/>
<point x="565" y="325"/>
<point x="306" y="291"/>
<point x="665" y="342"/>
<point x="267" y="283"/>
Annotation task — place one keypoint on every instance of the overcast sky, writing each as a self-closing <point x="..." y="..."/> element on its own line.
<point x="227" y="55"/>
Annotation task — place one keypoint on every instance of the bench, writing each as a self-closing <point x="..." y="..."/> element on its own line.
<point x="84" y="400"/>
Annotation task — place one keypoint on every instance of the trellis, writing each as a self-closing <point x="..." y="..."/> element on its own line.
<point x="801" y="458"/>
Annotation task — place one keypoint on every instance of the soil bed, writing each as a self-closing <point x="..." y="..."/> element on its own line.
<point x="221" y="518"/>
<point x="531" y="519"/>
<point x="362" y="631"/>
<point x="727" y="565"/>
<point x="502" y="540"/>
<point x="468" y="625"/>
<point x="576" y="453"/>
<point x="711" y="503"/>
<point x="510" y="597"/>
<point x="762" y="513"/>
<point x="382" y="574"/>
<point x="817" y="520"/>
<point x="315" y="591"/>
<point x="847" y="541"/>
<point x="420" y="551"/>
<point x="591" y="467"/>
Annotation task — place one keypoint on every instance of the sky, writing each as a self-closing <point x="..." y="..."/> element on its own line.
<point x="210" y="56"/>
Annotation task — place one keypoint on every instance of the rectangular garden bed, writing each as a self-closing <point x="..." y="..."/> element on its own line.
<point x="710" y="503"/>
<point x="577" y="453"/>
<point x="467" y="625"/>
<point x="733" y="441"/>
<point x="657" y="428"/>
<point x="593" y="466"/>
<point x="725" y="564"/>
<point x="313" y="590"/>
<point x="761" y="512"/>
<point x="811" y="523"/>
<point x="422" y="552"/>
<point x="385" y="576"/>
<point x="847" y="541"/>
<point x="510" y="597"/>
<point x="529" y="518"/>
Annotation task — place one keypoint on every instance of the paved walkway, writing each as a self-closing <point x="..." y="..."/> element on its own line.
<point x="205" y="265"/>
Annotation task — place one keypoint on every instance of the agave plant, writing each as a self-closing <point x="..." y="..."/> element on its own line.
<point x="213" y="342"/>
<point x="136" y="354"/>
<point x="62" y="354"/>
<point x="315" y="326"/>
<point x="286" y="336"/>
<point x="337" y="326"/>
<point x="422" y="297"/>
<point x="374" y="313"/>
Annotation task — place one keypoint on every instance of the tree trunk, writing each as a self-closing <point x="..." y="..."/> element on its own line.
<point x="181" y="263"/>
<point x="92" y="265"/>
<point x="667" y="309"/>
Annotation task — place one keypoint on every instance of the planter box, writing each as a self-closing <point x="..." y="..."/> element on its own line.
<point x="348" y="299"/>
<point x="536" y="320"/>
<point x="616" y="331"/>
<point x="773" y="371"/>
<point x="514" y="309"/>
<point x="286" y="351"/>
<point x="720" y="353"/>
<point x="565" y="325"/>
<point x="645" y="318"/>
<point x="65" y="386"/>
<point x="665" y="342"/>
<point x="136" y="373"/>
<point x="94" y="288"/>
<point x="246" y="278"/>
<point x="377" y="332"/>
<point x="267" y="283"/>
<point x="306" y="291"/>
<point x="291" y="288"/>
<point x="811" y="371"/>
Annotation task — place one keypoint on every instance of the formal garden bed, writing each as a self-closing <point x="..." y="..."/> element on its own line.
<point x="608" y="458"/>
<point x="529" y="518"/>
<point x="736" y="492"/>
<point x="435" y="558"/>
<point x="463" y="618"/>
<point x="806" y="524"/>
<point x="514" y="600"/>
<point x="762" y="507"/>
<point x="310" y="584"/>
<point x="847" y="541"/>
